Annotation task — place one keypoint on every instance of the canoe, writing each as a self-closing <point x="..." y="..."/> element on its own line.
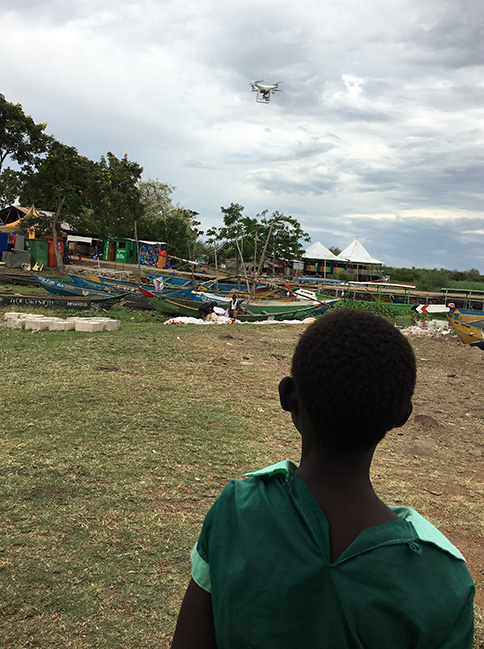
<point x="230" y="289"/>
<point x="133" y="298"/>
<point x="66" y="302"/>
<point x="171" y="280"/>
<point x="132" y="287"/>
<point x="84" y="282"/>
<point x="172" y="306"/>
<point x="468" y="325"/>
<point x="11" y="277"/>
<point x="55" y="287"/>
<point x="467" y="315"/>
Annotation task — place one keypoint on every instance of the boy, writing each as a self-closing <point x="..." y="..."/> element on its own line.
<point x="309" y="557"/>
<point x="233" y="310"/>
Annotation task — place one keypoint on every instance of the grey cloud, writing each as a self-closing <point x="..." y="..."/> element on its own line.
<point x="168" y="83"/>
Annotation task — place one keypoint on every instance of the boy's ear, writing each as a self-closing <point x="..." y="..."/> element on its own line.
<point x="406" y="415"/>
<point x="287" y="394"/>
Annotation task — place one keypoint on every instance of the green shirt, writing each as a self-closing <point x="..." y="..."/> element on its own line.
<point x="264" y="555"/>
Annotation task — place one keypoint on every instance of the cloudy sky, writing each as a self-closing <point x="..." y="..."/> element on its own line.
<point x="376" y="135"/>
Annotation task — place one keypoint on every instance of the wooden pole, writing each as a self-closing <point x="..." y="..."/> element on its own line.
<point x="137" y="250"/>
<point x="261" y="264"/>
<point x="255" y="251"/>
<point x="243" y="267"/>
<point x="191" y="265"/>
<point x="216" y="266"/>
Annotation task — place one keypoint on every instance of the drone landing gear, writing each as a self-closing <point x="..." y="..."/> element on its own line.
<point x="263" y="97"/>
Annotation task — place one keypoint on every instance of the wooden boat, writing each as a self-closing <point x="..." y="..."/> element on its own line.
<point x="467" y="315"/>
<point x="171" y="280"/>
<point x="468" y="325"/>
<point x="255" y="312"/>
<point x="132" y="297"/>
<point x="64" y="301"/>
<point x="55" y="287"/>
<point x="84" y="282"/>
<point x="132" y="287"/>
<point x="309" y="295"/>
<point x="227" y="290"/>
<point x="9" y="276"/>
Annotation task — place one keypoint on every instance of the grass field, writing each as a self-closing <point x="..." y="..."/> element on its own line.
<point x="114" y="446"/>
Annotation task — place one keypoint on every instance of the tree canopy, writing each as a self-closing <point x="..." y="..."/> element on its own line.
<point x="244" y="236"/>
<point x="114" y="197"/>
<point x="163" y="221"/>
<point x="58" y="186"/>
<point x="22" y="142"/>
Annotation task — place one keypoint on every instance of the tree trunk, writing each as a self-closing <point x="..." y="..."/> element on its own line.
<point x="55" y="238"/>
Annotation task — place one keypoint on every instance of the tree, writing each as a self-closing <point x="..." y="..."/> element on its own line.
<point x="243" y="236"/>
<point x="23" y="142"/>
<point x="238" y="233"/>
<point x="155" y="197"/>
<point x="10" y="184"/>
<point x="162" y="221"/>
<point x="114" y="197"/>
<point x="335" y="250"/>
<point x="58" y="186"/>
<point x="286" y="236"/>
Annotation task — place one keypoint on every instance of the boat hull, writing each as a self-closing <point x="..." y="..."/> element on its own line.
<point x="171" y="306"/>
<point x="66" y="302"/>
<point x="55" y="287"/>
<point x="468" y="325"/>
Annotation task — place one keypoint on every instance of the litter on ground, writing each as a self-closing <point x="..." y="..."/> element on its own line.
<point x="216" y="319"/>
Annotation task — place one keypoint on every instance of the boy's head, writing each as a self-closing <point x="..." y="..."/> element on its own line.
<point x="354" y="373"/>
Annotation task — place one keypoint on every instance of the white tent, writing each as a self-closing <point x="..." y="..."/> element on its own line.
<point x="355" y="253"/>
<point x="318" y="251"/>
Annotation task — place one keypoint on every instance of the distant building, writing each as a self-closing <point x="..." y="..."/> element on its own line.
<point x="359" y="262"/>
<point x="320" y="261"/>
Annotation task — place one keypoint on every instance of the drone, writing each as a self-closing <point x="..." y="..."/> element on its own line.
<point x="264" y="92"/>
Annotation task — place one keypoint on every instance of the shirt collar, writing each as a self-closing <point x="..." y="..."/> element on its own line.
<point x="424" y="530"/>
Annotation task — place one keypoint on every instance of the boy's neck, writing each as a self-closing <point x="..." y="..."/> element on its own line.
<point x="343" y="490"/>
<point x="322" y="466"/>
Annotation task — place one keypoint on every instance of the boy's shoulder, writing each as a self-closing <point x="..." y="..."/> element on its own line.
<point x="426" y="532"/>
<point x="256" y="484"/>
<point x="286" y="467"/>
<point x="255" y="481"/>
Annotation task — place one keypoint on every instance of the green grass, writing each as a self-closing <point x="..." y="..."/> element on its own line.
<point x="113" y="447"/>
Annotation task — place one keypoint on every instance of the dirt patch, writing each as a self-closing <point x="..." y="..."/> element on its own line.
<point x="434" y="463"/>
<point x="438" y="454"/>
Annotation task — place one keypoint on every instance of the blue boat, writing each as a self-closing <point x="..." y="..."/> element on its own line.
<point x="96" y="286"/>
<point x="55" y="287"/>
<point x="133" y="287"/>
<point x="171" y="279"/>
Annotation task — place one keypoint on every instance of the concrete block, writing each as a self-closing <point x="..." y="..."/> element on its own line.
<point x="16" y="323"/>
<point x="37" y="324"/>
<point x="111" y="325"/>
<point x="62" y="325"/>
<point x="12" y="313"/>
<point x="89" y="326"/>
<point x="11" y="318"/>
<point x="108" y="323"/>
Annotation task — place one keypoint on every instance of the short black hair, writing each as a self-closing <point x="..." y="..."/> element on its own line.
<point x="355" y="374"/>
